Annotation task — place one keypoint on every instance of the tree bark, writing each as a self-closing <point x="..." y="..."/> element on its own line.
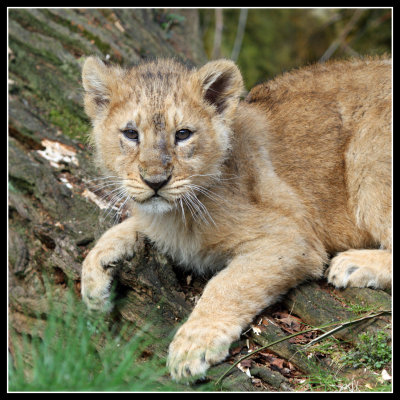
<point x="54" y="215"/>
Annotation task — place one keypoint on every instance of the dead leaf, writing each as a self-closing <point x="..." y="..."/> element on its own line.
<point x="246" y="363"/>
<point x="277" y="362"/>
<point x="235" y="350"/>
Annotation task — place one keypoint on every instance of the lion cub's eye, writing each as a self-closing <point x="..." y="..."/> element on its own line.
<point x="131" y="134"/>
<point x="182" y="134"/>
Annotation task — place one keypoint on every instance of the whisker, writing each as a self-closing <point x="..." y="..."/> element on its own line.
<point x="102" y="178"/>
<point x="229" y="179"/>
<point x="102" y="186"/>
<point x="134" y="187"/>
<point x="208" y="193"/>
<point x="170" y="189"/>
<point x="183" y="211"/>
<point x="108" y="194"/>
<point x="215" y="176"/>
<point x="118" y="213"/>
<point x="203" y="207"/>
<point x="116" y="199"/>
<point x="189" y="206"/>
<point x="110" y="209"/>
<point x="196" y="207"/>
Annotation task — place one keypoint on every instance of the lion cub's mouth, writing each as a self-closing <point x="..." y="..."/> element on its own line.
<point x="155" y="204"/>
<point x="152" y="199"/>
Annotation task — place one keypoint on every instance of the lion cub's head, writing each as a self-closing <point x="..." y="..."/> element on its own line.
<point x="161" y="128"/>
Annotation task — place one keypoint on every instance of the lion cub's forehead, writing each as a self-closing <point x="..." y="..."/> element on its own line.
<point x="160" y="80"/>
<point x="160" y="92"/>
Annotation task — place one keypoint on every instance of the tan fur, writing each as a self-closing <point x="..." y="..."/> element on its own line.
<point x="263" y="192"/>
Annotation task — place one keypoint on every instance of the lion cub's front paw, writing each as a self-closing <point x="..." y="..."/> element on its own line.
<point x="96" y="284"/>
<point x="197" y="345"/>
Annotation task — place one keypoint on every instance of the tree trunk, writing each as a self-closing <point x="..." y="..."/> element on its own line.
<point x="54" y="215"/>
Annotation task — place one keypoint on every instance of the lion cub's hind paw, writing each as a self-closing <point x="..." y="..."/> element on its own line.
<point x="360" y="268"/>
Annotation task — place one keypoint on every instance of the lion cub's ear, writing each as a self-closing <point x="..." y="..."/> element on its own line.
<point x="98" y="80"/>
<point x="222" y="85"/>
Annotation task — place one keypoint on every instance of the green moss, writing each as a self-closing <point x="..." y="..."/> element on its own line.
<point x="32" y="24"/>
<point x="44" y="82"/>
<point x="26" y="20"/>
<point x="104" y="47"/>
<point x="20" y="185"/>
<point x="363" y="305"/>
<point x="69" y="123"/>
<point x="25" y="51"/>
<point x="37" y="68"/>
<point x="11" y="187"/>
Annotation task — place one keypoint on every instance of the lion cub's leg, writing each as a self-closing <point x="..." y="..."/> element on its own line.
<point x="369" y="183"/>
<point x="97" y="268"/>
<point x="252" y="281"/>
<point x="361" y="268"/>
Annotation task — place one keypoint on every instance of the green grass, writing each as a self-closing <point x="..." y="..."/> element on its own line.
<point x="325" y="381"/>
<point x="353" y="368"/>
<point x="77" y="353"/>
<point x="386" y="387"/>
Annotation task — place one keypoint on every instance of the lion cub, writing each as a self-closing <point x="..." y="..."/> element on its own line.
<point x="260" y="191"/>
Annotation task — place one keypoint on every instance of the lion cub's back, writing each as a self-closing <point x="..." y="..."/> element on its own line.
<point x="318" y="115"/>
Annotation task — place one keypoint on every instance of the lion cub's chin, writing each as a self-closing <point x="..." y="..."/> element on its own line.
<point x="155" y="205"/>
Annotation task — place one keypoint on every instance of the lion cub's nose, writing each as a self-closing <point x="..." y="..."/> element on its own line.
<point x="156" y="183"/>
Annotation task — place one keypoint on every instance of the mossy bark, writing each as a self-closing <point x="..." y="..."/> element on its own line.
<point x="319" y="304"/>
<point x="52" y="222"/>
